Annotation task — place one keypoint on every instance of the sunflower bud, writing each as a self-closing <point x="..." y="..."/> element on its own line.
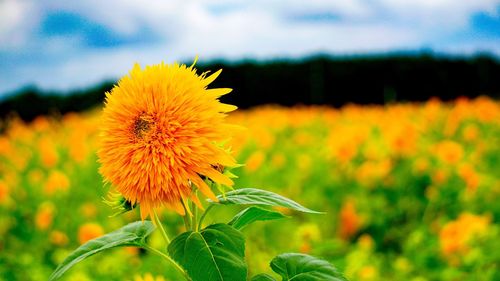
<point x="117" y="202"/>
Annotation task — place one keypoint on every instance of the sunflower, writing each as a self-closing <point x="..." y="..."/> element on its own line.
<point x="162" y="135"/>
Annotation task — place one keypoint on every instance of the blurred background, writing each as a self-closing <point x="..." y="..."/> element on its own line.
<point x="383" y="113"/>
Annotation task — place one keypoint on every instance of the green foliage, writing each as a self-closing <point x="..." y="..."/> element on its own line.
<point x="216" y="253"/>
<point x="263" y="277"/>
<point x="301" y="267"/>
<point x="133" y="234"/>
<point x="253" y="214"/>
<point x="254" y="196"/>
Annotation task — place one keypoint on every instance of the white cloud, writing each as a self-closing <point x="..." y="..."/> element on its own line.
<point x="15" y="25"/>
<point x="438" y="13"/>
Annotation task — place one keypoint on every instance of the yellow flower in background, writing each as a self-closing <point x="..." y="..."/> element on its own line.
<point x="368" y="272"/>
<point x="161" y="128"/>
<point x="89" y="231"/>
<point x="307" y="234"/>
<point x="366" y="242"/>
<point x="148" y="277"/>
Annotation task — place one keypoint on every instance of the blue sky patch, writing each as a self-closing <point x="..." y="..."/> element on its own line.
<point x="486" y="24"/>
<point x="319" y="16"/>
<point x="91" y="33"/>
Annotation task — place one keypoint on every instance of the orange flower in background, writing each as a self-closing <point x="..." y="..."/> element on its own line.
<point x="469" y="176"/>
<point x="254" y="161"/>
<point x="48" y="152"/>
<point x="449" y="152"/>
<point x="403" y="138"/>
<point x="456" y="236"/>
<point x="41" y="124"/>
<point x="4" y="192"/>
<point x="78" y="150"/>
<point x="45" y="215"/>
<point x="345" y="152"/>
<point x="35" y="176"/>
<point x="5" y="146"/>
<point x="57" y="181"/>
<point x="278" y="160"/>
<point x="89" y="231"/>
<point x="440" y="176"/>
<point x="161" y="128"/>
<point x="420" y="165"/>
<point x="350" y="221"/>
<point x="88" y="210"/>
<point x="470" y="133"/>
<point x="58" y="238"/>
<point x="372" y="172"/>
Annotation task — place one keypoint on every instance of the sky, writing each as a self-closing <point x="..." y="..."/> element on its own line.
<point x="63" y="45"/>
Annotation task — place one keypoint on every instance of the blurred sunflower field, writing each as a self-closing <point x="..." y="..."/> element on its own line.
<point x="410" y="192"/>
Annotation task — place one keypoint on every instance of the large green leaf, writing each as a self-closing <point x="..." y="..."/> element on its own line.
<point x="252" y="214"/>
<point x="301" y="267"/>
<point x="216" y="253"/>
<point x="133" y="234"/>
<point x="254" y="196"/>
<point x="263" y="277"/>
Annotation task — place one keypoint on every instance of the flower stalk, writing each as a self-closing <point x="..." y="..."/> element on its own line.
<point x="160" y="226"/>
<point x="170" y="260"/>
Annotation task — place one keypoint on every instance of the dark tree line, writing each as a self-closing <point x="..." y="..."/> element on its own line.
<point x="317" y="80"/>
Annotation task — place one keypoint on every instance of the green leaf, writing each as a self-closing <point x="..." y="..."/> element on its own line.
<point x="254" y="196"/>
<point x="263" y="277"/>
<point x="301" y="267"/>
<point x="252" y="214"/>
<point x="133" y="234"/>
<point x="216" y="253"/>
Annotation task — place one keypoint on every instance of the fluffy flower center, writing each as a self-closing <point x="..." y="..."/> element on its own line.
<point x="141" y="127"/>
<point x="155" y="129"/>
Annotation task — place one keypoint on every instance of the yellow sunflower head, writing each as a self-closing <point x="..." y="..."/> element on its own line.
<point x="161" y="136"/>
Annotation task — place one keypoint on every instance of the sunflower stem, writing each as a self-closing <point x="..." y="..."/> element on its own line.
<point x="160" y="226"/>
<point x="168" y="258"/>
<point x="194" y="219"/>
<point x="200" y="224"/>
<point x="187" y="222"/>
